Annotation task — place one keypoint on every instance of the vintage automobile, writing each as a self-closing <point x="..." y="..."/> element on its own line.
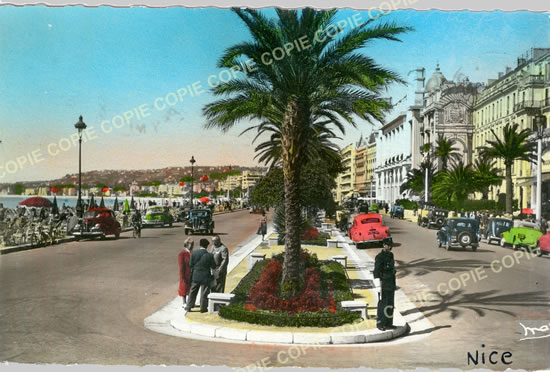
<point x="436" y="218"/>
<point x="521" y="237"/>
<point x="459" y="231"/>
<point x="422" y="219"/>
<point x="199" y="221"/>
<point x="543" y="245"/>
<point x="495" y="228"/>
<point x="397" y="211"/>
<point x="97" y="223"/>
<point x="369" y="229"/>
<point x="158" y="215"/>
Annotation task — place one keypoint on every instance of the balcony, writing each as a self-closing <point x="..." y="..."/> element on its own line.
<point x="534" y="80"/>
<point x="530" y="107"/>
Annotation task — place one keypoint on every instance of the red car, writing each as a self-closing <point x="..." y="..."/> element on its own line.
<point x="369" y="228"/>
<point x="97" y="222"/>
<point x="544" y="245"/>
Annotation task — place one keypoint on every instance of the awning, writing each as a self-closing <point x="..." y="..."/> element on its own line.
<point x="533" y="180"/>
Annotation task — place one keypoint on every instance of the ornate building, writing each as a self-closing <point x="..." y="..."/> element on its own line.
<point x="447" y="113"/>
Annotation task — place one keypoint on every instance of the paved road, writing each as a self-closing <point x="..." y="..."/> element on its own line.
<point x="85" y="302"/>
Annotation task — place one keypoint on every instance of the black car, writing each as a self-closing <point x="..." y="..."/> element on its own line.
<point x="495" y="228"/>
<point x="436" y="218"/>
<point x="397" y="211"/>
<point x="461" y="232"/>
<point x="199" y="221"/>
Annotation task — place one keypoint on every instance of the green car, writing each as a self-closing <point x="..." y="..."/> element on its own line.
<point x="519" y="237"/>
<point x="158" y="216"/>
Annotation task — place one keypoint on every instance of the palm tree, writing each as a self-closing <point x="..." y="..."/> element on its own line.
<point x="513" y="146"/>
<point x="328" y="81"/>
<point x="445" y="150"/>
<point x="416" y="178"/>
<point x="486" y="175"/>
<point x="455" y="184"/>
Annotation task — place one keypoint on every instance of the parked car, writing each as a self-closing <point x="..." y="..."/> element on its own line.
<point x="522" y="237"/>
<point x="461" y="232"/>
<point x="158" y="216"/>
<point x="422" y="219"/>
<point x="199" y="221"/>
<point x="97" y="223"/>
<point x="369" y="229"/>
<point x="544" y="245"/>
<point x="436" y="218"/>
<point x="495" y="228"/>
<point x="397" y="211"/>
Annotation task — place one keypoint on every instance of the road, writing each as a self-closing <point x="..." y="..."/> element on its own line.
<point x="85" y="303"/>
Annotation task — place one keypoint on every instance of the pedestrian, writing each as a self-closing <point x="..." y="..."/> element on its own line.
<point x="262" y="230"/>
<point x="386" y="208"/>
<point x="202" y="262"/>
<point x="184" y="259"/>
<point x="221" y="258"/>
<point x="384" y="269"/>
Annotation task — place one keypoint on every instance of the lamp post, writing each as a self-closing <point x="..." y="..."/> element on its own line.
<point x="539" y="124"/>
<point x="192" y="161"/>
<point x="80" y="126"/>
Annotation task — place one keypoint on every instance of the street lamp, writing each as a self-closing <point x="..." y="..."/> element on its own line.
<point x="80" y="126"/>
<point x="192" y="161"/>
<point x="539" y="124"/>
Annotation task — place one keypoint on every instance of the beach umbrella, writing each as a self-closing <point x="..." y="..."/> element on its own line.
<point x="105" y="189"/>
<point x="91" y="204"/>
<point x="204" y="199"/>
<point x="55" y="208"/>
<point x="115" y="206"/>
<point x="36" y="201"/>
<point x="182" y="184"/>
<point x="126" y="206"/>
<point x="102" y="203"/>
<point x="54" y="189"/>
<point x="132" y="204"/>
<point x="204" y="178"/>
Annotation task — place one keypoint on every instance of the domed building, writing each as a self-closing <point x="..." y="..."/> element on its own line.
<point x="447" y="113"/>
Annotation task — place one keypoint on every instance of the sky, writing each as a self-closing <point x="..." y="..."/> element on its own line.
<point x="139" y="77"/>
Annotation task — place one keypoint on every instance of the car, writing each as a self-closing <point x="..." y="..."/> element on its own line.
<point x="436" y="218"/>
<point x="543" y="245"/>
<point x="397" y="211"/>
<point x="97" y="223"/>
<point x="158" y="215"/>
<point x="522" y="237"/>
<point x="459" y="231"/>
<point x="199" y="221"/>
<point x="495" y="228"/>
<point x="369" y="228"/>
<point x="423" y="217"/>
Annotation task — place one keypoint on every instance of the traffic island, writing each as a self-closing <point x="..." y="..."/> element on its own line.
<point x="174" y="321"/>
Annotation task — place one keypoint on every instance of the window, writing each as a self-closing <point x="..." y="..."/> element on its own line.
<point x="508" y="105"/>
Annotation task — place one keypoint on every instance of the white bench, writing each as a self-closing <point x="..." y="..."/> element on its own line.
<point x="326" y="226"/>
<point x="255" y="257"/>
<point x="341" y="259"/>
<point x="332" y="243"/>
<point x="273" y="240"/>
<point x="356" y="307"/>
<point x="221" y="299"/>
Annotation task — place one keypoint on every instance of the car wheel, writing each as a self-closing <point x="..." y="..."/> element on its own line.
<point x="170" y="224"/>
<point x="538" y="251"/>
<point x="186" y="231"/>
<point x="502" y="242"/>
<point x="464" y="238"/>
<point x="515" y="247"/>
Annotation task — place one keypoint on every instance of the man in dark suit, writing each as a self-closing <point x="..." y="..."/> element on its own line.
<point x="202" y="262"/>
<point x="384" y="268"/>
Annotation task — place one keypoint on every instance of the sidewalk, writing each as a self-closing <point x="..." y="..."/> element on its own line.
<point x="170" y="319"/>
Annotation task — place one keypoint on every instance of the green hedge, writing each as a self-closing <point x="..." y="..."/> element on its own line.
<point x="328" y="270"/>
<point x="323" y="318"/>
<point x="406" y="203"/>
<point x="320" y="240"/>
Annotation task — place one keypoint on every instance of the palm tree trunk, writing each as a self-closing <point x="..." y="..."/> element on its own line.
<point x="291" y="142"/>
<point x="509" y="188"/>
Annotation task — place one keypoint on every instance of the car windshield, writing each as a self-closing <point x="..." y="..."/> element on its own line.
<point x="370" y="220"/>
<point x="507" y="224"/>
<point x="198" y="214"/>
<point x="464" y="224"/>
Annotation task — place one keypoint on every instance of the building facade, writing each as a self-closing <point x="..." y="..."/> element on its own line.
<point x="346" y="180"/>
<point x="516" y="96"/>
<point x="361" y="162"/>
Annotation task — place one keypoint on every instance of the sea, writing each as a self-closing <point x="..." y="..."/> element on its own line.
<point x="12" y="201"/>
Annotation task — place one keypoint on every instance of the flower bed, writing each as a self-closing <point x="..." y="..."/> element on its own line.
<point x="257" y="298"/>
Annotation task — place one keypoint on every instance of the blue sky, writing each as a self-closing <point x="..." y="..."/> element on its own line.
<point x="58" y="63"/>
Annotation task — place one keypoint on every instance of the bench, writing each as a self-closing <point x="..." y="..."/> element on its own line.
<point x="253" y="258"/>
<point x="221" y="299"/>
<point x="356" y="307"/>
<point x="341" y="259"/>
<point x="332" y="243"/>
<point x="273" y="240"/>
<point x="326" y="226"/>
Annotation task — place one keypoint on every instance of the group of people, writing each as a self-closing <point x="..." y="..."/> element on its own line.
<point x="202" y="269"/>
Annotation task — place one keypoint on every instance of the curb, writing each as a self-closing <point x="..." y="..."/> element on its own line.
<point x="25" y="247"/>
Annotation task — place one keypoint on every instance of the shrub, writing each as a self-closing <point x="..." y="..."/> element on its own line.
<point x="320" y="240"/>
<point x="310" y="234"/>
<point x="407" y="204"/>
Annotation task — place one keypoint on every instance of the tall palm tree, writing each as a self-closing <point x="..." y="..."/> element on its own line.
<point x="328" y="81"/>
<point x="446" y="151"/>
<point x="455" y="184"/>
<point x="511" y="147"/>
<point x="486" y="174"/>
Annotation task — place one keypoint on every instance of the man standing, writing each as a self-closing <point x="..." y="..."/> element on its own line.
<point x="384" y="269"/>
<point x="201" y="263"/>
<point x="221" y="258"/>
